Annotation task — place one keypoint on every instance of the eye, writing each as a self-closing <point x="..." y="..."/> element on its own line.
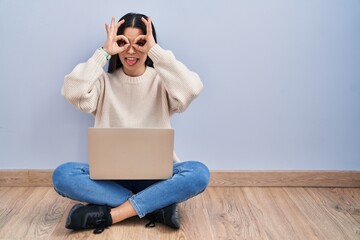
<point x="141" y="43"/>
<point x="121" y="43"/>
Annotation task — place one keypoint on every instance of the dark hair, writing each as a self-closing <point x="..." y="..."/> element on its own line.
<point x="131" y="20"/>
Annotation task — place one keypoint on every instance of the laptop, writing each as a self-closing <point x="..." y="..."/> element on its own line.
<point x="130" y="153"/>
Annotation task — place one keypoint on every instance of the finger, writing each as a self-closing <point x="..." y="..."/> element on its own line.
<point x="107" y="28"/>
<point x="119" y="23"/>
<point x="122" y="38"/>
<point x="140" y="48"/>
<point x="122" y="42"/>
<point x="140" y="38"/>
<point x="123" y="48"/>
<point x="148" y="25"/>
<point x="112" y="24"/>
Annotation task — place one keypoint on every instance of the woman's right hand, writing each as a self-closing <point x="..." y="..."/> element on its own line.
<point x="111" y="45"/>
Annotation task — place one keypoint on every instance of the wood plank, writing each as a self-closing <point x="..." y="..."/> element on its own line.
<point x="13" y="178"/>
<point x="39" y="215"/>
<point x="326" y="223"/>
<point x="12" y="200"/>
<point x="26" y="178"/>
<point x="229" y="218"/>
<point x="51" y="210"/>
<point x="23" y="215"/>
<point x="277" y="215"/>
<point x="195" y="220"/>
<point x="338" y="209"/>
<point x="285" y="178"/>
<point x="42" y="178"/>
<point x="351" y="197"/>
<point x="218" y="213"/>
<point x="60" y="232"/>
<point x="129" y="229"/>
<point x="345" y="200"/>
<point x="3" y="190"/>
<point x="249" y="226"/>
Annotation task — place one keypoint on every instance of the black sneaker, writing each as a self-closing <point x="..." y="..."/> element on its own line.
<point x="168" y="216"/>
<point x="89" y="216"/>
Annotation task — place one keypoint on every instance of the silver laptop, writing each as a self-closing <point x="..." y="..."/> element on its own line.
<point x="130" y="153"/>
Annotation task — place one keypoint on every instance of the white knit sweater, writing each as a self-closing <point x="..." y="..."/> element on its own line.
<point x="117" y="100"/>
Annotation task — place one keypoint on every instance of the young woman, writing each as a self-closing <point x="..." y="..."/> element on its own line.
<point x="145" y="85"/>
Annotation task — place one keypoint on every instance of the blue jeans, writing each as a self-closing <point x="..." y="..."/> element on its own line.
<point x="189" y="179"/>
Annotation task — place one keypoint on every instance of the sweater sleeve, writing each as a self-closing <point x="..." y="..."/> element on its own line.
<point x="181" y="84"/>
<point x="82" y="87"/>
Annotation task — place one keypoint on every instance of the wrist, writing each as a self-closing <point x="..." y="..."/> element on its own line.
<point x="106" y="54"/>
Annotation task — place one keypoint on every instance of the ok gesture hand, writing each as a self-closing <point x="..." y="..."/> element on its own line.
<point x="111" y="45"/>
<point x="145" y="42"/>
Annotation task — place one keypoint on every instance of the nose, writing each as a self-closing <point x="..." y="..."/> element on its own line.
<point x="131" y="49"/>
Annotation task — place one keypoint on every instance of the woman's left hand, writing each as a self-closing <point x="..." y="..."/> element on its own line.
<point x="144" y="43"/>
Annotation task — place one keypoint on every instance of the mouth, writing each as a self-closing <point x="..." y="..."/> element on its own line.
<point x="131" y="60"/>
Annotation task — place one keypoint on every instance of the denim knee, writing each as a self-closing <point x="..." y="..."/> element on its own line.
<point x="57" y="176"/>
<point x="203" y="175"/>
<point x="60" y="177"/>
<point x="199" y="177"/>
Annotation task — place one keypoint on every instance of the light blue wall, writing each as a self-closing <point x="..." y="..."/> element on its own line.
<point x="282" y="80"/>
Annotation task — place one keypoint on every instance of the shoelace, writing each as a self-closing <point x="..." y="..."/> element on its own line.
<point x="96" y="221"/>
<point x="153" y="218"/>
<point x="101" y="227"/>
<point x="151" y="223"/>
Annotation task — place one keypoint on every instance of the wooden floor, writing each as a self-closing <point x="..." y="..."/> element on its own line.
<point x="218" y="213"/>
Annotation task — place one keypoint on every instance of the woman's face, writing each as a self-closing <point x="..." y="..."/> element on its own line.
<point x="133" y="61"/>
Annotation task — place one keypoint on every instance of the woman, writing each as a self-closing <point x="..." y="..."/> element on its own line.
<point x="145" y="85"/>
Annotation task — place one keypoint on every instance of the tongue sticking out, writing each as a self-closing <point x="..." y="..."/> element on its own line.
<point x="131" y="61"/>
